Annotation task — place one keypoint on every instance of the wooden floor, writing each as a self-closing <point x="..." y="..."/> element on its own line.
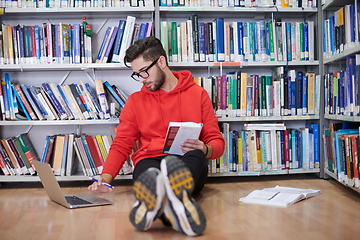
<point x="27" y="213"/>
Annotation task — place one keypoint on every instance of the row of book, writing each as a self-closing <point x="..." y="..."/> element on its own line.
<point x="219" y="41"/>
<point x="342" y="89"/>
<point x="52" y="101"/>
<point x="341" y="31"/>
<point x="342" y="148"/>
<point x="46" y="43"/>
<point x="17" y="155"/>
<point x="118" y="38"/>
<point x="67" y="43"/>
<point x="239" y="94"/>
<point x="268" y="147"/>
<point x="239" y="3"/>
<point x="75" y="3"/>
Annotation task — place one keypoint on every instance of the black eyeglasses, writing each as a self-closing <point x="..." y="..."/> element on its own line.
<point x="144" y="73"/>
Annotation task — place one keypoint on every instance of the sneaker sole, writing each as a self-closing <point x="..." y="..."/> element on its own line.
<point x="149" y="191"/>
<point x="181" y="209"/>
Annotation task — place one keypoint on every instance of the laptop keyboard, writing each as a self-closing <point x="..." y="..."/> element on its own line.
<point x="73" y="200"/>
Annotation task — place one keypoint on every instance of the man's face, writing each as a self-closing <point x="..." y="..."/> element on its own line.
<point x="148" y="73"/>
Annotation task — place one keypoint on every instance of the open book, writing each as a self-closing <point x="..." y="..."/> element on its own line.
<point x="177" y="133"/>
<point x="279" y="196"/>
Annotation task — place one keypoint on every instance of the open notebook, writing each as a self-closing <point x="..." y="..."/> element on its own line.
<point x="54" y="192"/>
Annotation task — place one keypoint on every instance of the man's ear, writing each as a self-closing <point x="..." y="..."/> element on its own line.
<point x="162" y="62"/>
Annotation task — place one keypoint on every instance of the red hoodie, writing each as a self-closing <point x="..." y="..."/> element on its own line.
<point x="146" y="117"/>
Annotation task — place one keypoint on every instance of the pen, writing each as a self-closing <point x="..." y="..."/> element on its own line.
<point x="105" y="184"/>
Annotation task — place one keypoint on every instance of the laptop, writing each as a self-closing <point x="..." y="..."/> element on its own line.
<point x="54" y="192"/>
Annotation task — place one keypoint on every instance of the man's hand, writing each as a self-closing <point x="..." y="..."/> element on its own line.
<point x="191" y="144"/>
<point x="99" y="187"/>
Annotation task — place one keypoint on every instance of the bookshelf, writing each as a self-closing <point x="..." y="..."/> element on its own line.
<point x="338" y="66"/>
<point x="117" y="72"/>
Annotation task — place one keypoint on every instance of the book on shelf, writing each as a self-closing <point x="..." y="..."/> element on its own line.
<point x="21" y="155"/>
<point x="177" y="133"/>
<point x="109" y="88"/>
<point x="100" y="92"/>
<point x="279" y="196"/>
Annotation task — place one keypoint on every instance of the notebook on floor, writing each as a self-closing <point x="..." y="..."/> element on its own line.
<point x="54" y="192"/>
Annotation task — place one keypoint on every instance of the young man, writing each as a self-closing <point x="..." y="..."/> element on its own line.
<point x="163" y="183"/>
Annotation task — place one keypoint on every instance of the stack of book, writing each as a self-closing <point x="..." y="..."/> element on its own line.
<point x="62" y="43"/>
<point x="51" y="101"/>
<point x="17" y="155"/>
<point x="342" y="148"/>
<point x="239" y="94"/>
<point x="342" y="89"/>
<point x="341" y="30"/>
<point x="238" y="3"/>
<point x="75" y="4"/>
<point x="268" y="147"/>
<point x="221" y="41"/>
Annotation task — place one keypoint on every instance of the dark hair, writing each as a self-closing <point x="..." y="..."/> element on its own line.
<point x="150" y="47"/>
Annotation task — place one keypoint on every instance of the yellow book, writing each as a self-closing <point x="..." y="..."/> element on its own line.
<point x="243" y="82"/>
<point x="311" y="93"/>
<point x="101" y="145"/>
<point x="285" y="3"/>
<point x="240" y="153"/>
<point x="58" y="154"/>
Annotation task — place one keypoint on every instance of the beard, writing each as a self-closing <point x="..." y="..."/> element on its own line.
<point x="160" y="79"/>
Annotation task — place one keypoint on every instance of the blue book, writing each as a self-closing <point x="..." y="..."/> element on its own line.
<point x="76" y="44"/>
<point x="325" y="37"/>
<point x="94" y="100"/>
<point x="256" y="40"/>
<point x="299" y="92"/>
<point x="202" y="48"/>
<point x="103" y="45"/>
<point x="64" y="156"/>
<point x="163" y="3"/>
<point x="306" y="42"/>
<point x="293" y="149"/>
<point x="143" y="30"/>
<point x="13" y="107"/>
<point x="110" y="45"/>
<point x="33" y="93"/>
<point x="298" y="149"/>
<point x="21" y="44"/>
<point x="55" y="102"/>
<point x="22" y="107"/>
<point x="304" y="95"/>
<point x="65" y="99"/>
<point x="37" y="43"/>
<point x="118" y="39"/>
<point x="314" y="129"/>
<point x="241" y="40"/>
<point x="262" y="38"/>
<point x="288" y="41"/>
<point x="220" y="47"/>
<point x="350" y="71"/>
<point x="332" y="35"/>
<point x="113" y="93"/>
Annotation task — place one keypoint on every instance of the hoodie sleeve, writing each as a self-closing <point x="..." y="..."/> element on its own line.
<point x="210" y="133"/>
<point x="126" y="134"/>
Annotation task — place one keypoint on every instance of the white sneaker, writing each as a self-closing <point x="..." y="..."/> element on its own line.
<point x="149" y="191"/>
<point x="184" y="213"/>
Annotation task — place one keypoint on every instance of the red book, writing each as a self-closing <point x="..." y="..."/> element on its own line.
<point x="355" y="159"/>
<point x="286" y="149"/>
<point x="94" y="153"/>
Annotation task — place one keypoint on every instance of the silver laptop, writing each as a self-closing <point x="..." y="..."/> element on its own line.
<point x="54" y="192"/>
